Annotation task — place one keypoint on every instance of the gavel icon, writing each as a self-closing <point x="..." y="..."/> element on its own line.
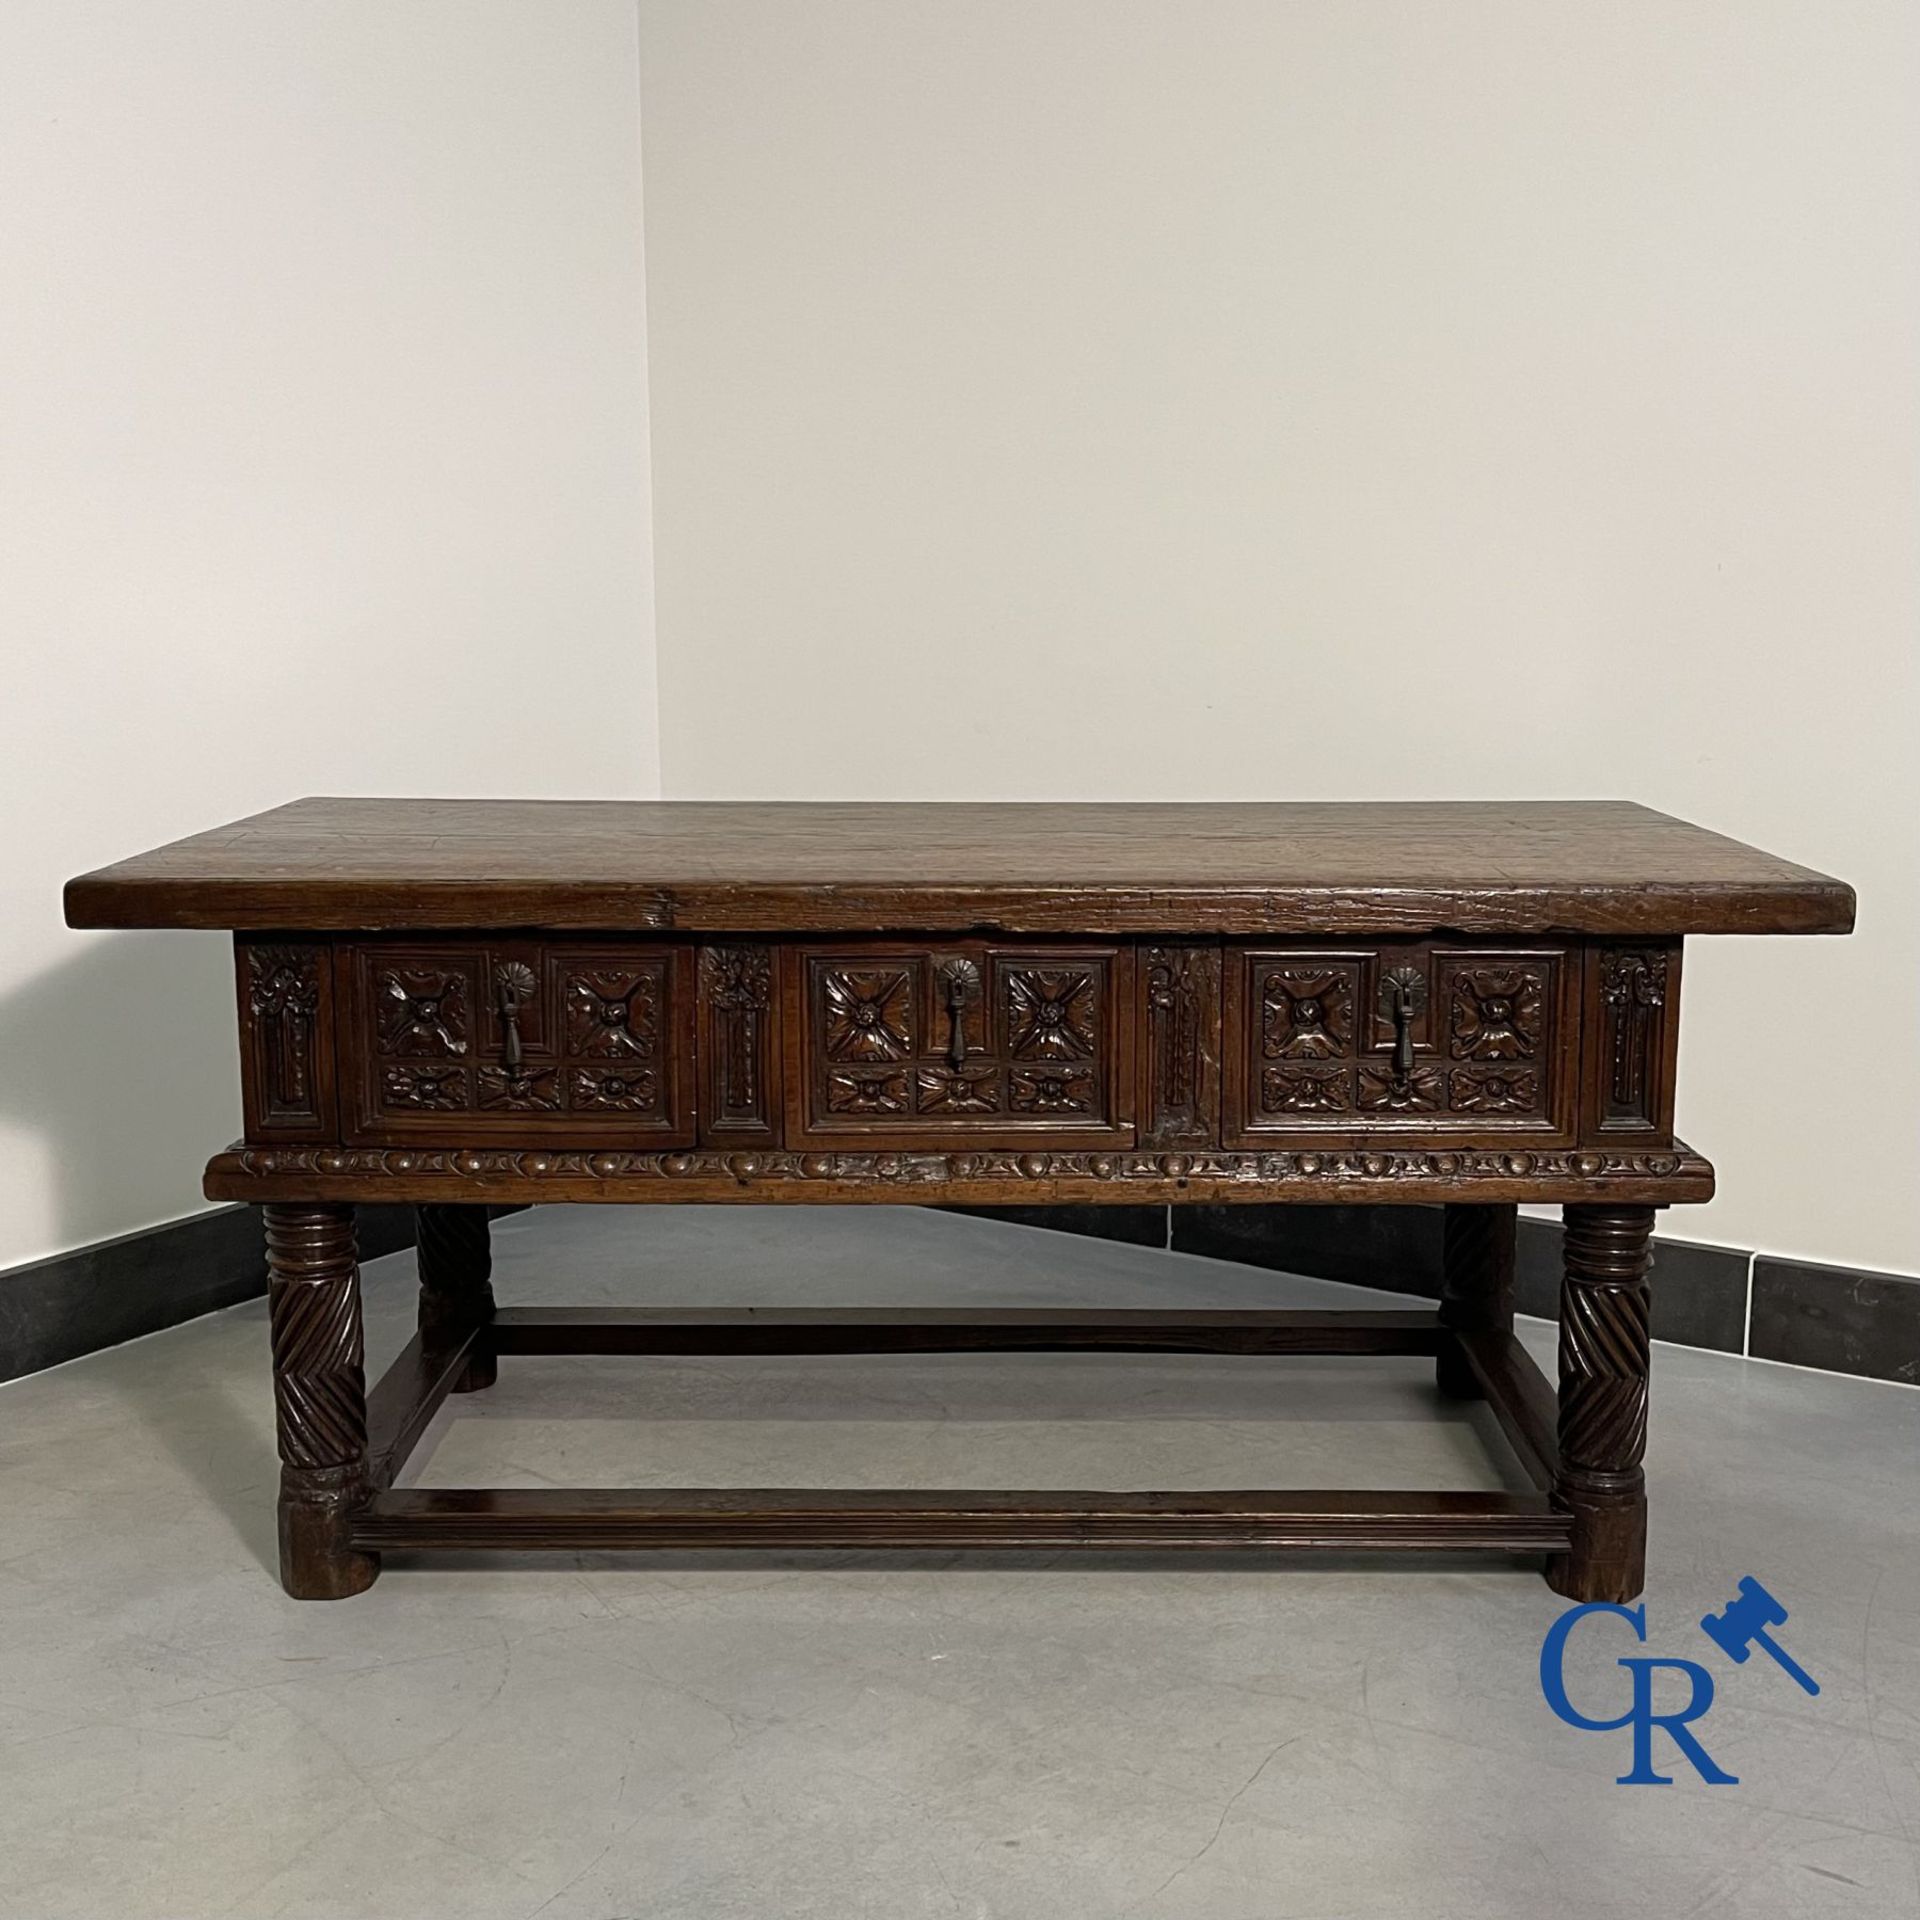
<point x="1741" y="1625"/>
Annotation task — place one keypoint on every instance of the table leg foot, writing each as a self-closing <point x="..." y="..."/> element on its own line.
<point x="1604" y="1350"/>
<point x="320" y="1398"/>
<point x="1476" y="1289"/>
<point x="316" y="1508"/>
<point x="454" y="1248"/>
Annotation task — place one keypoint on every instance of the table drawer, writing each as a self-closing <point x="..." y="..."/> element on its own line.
<point x="576" y="1040"/>
<point x="1478" y="1043"/>
<point x="963" y="1043"/>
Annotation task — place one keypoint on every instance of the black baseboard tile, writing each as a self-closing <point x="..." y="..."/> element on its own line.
<point x="1836" y="1319"/>
<point x="1699" y="1292"/>
<point x="1137" y="1226"/>
<point x="77" y="1303"/>
<point x="1396" y="1249"/>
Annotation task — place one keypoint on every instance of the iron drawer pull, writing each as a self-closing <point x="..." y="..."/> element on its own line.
<point x="961" y="978"/>
<point x="1405" y="991"/>
<point x="514" y="983"/>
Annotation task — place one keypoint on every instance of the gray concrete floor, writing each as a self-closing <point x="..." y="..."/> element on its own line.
<point x="585" y="1738"/>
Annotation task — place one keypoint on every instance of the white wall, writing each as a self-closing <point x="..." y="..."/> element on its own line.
<point x="322" y="468"/>
<point x="1109" y="398"/>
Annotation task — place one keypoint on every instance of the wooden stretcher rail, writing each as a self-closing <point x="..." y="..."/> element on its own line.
<point x="756" y="1330"/>
<point x="402" y="1403"/>
<point x="1521" y="1398"/>
<point x="601" y="1519"/>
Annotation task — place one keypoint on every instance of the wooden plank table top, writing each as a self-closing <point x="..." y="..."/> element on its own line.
<point x="1329" y="867"/>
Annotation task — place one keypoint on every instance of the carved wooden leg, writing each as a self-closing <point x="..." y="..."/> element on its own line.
<point x="320" y="1398"/>
<point x="1476" y="1289"/>
<point x="455" y="1253"/>
<point x="1603" y="1403"/>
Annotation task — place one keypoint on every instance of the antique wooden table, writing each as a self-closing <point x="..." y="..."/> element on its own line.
<point x="470" y="1003"/>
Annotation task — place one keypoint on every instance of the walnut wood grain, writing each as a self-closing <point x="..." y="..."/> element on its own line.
<point x="453" y="1250"/>
<point x="320" y="1398"/>
<point x="1604" y="1354"/>
<point x="1479" y="1246"/>
<point x="1519" y="1396"/>
<point x="797" y="1330"/>
<point x="467" y="1003"/>
<point x="601" y="1519"/>
<point x="1395" y="1177"/>
<point x="1280" y="868"/>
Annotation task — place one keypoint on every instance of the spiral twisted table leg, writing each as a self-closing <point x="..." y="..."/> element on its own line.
<point x="1476" y="1288"/>
<point x="1603" y="1402"/>
<point x="455" y="1253"/>
<point x="320" y="1398"/>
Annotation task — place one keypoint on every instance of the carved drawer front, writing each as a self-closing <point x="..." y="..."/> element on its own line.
<point x="1468" y="1042"/>
<point x="962" y="1043"/>
<point x="585" y="1041"/>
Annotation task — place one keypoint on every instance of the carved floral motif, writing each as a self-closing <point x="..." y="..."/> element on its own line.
<point x="867" y="1013"/>
<point x="1493" y="1090"/>
<point x="532" y="1090"/>
<point x="1045" y="1090"/>
<point x="1382" y="1090"/>
<point x="626" y="1089"/>
<point x="1634" y="986"/>
<point x="1182" y="992"/>
<point x="1305" y="1014"/>
<point x="1531" y="1171"/>
<point x="1497" y="1013"/>
<point x="850" y="1090"/>
<point x="737" y="982"/>
<point x="283" y="998"/>
<point x="612" y="1011"/>
<point x="425" y="1089"/>
<point x="1306" y="1090"/>
<point x="421" y="1010"/>
<point x="972" y="1090"/>
<point x="1050" y="1013"/>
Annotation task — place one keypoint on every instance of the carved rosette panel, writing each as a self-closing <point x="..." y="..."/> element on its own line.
<point x="1384" y="1091"/>
<point x="531" y="1090"/>
<point x="867" y="1090"/>
<point x="962" y="1038"/>
<point x="1498" y="1012"/>
<point x="1051" y="1013"/>
<point x="613" y="1017"/>
<point x="736" y="1001"/>
<point x="1051" y="1090"/>
<point x="1306" y="1013"/>
<point x="622" y="1089"/>
<point x="425" y="1089"/>
<point x="1419" y="1037"/>
<point x="1306" y="1090"/>
<point x="282" y="1011"/>
<point x="1634" y="992"/>
<point x="971" y="1090"/>
<point x="1493" y="1090"/>
<point x="869" y="1013"/>
<point x="422" y="1011"/>
<point x="1182" y="999"/>
<point x="612" y="1013"/>
<point x="482" y="1039"/>
<point x="318" y="1350"/>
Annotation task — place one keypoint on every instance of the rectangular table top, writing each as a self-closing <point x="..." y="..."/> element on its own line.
<point x="1279" y="867"/>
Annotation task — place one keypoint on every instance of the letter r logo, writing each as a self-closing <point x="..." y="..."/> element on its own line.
<point x="1640" y="1711"/>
